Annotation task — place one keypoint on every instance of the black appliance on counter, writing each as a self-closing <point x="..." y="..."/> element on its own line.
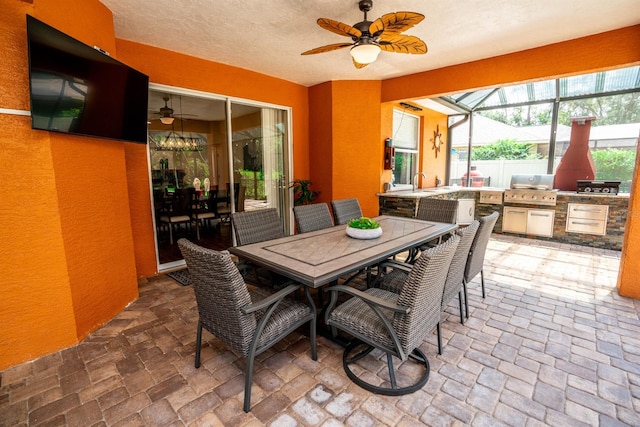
<point x="602" y="187"/>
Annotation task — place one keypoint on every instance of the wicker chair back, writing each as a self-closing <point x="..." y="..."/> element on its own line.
<point x="312" y="217"/>
<point x="422" y="293"/>
<point x="438" y="210"/>
<point x="455" y="276"/>
<point x="479" y="246"/>
<point x="220" y="292"/>
<point x="256" y="226"/>
<point x="345" y="210"/>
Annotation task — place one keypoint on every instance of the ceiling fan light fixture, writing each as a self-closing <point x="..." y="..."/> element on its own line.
<point x="365" y="53"/>
<point x="166" y="120"/>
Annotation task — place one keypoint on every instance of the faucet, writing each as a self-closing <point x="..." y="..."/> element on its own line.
<point x="415" y="181"/>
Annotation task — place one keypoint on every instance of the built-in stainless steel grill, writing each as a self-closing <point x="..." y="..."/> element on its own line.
<point x="531" y="189"/>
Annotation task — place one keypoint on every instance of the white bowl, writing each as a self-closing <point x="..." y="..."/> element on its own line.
<point x="358" y="233"/>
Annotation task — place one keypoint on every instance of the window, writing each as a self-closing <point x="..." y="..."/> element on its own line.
<point x="406" y="134"/>
<point x="526" y="128"/>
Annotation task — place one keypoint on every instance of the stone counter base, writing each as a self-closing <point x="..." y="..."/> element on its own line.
<point x="618" y="207"/>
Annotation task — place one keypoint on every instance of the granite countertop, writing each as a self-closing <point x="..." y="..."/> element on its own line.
<point x="428" y="192"/>
<point x="432" y="191"/>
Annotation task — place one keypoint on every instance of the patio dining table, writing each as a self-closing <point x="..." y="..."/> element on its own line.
<point x="320" y="257"/>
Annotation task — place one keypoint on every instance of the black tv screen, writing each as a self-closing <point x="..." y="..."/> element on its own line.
<point x="77" y="89"/>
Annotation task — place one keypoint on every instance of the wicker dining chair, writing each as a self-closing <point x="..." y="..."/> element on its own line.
<point x="312" y="217"/>
<point x="454" y="285"/>
<point x="394" y="323"/>
<point x="249" y="321"/>
<point x="478" y="250"/>
<point x="256" y="226"/>
<point x="345" y="210"/>
<point x="436" y="210"/>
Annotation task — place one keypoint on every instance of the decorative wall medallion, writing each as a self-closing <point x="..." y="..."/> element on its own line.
<point x="437" y="140"/>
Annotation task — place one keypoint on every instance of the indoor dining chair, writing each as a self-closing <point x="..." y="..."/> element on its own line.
<point x="178" y="211"/>
<point x="249" y="320"/>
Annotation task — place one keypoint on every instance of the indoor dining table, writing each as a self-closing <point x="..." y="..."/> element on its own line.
<point x="320" y="257"/>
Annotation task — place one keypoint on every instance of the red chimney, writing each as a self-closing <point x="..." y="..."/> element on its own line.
<point x="577" y="162"/>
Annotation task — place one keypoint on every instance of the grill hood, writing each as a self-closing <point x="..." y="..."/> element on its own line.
<point x="536" y="182"/>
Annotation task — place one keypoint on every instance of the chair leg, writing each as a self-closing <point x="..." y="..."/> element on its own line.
<point x="439" y="338"/>
<point x="466" y="299"/>
<point x="482" y="281"/>
<point x="171" y="233"/>
<point x="198" y="344"/>
<point x="356" y="345"/>
<point x="313" y="325"/>
<point x="460" y="303"/>
<point x="248" y="380"/>
<point x="392" y="375"/>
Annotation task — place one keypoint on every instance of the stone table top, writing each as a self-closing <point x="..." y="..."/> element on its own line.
<point x="322" y="256"/>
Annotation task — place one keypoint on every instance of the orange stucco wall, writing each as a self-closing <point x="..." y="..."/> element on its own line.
<point x="357" y="146"/>
<point x="69" y="264"/>
<point x="346" y="149"/>
<point x="629" y="273"/>
<point x="321" y="140"/>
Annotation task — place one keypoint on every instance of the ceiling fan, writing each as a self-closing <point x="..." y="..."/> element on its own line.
<point x="369" y="38"/>
<point x="166" y="113"/>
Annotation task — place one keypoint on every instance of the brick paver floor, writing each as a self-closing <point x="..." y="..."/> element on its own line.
<point x="552" y="344"/>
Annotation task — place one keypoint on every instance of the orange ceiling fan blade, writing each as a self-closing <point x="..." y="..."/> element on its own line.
<point x="327" y="48"/>
<point x="400" y="43"/>
<point x="395" y="23"/>
<point x="358" y="65"/>
<point x="339" y="28"/>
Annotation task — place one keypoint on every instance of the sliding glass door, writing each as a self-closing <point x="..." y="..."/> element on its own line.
<point x="260" y="152"/>
<point x="236" y="152"/>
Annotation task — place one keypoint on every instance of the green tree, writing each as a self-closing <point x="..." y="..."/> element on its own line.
<point x="526" y="115"/>
<point x="608" y="110"/>
<point x="615" y="164"/>
<point x="505" y="149"/>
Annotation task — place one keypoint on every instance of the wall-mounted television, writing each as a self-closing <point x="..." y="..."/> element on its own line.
<point x="77" y="89"/>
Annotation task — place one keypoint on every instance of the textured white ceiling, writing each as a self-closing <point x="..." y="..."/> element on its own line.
<point x="268" y="36"/>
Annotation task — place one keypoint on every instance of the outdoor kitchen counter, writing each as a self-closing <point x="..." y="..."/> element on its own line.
<point x="434" y="191"/>
<point x="404" y="203"/>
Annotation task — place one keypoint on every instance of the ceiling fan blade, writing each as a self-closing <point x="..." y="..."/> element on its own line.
<point x="395" y="23"/>
<point x="400" y="43"/>
<point x="358" y="65"/>
<point x="327" y="48"/>
<point x="339" y="28"/>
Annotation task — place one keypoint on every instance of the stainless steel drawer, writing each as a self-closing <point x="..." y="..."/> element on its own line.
<point x="587" y="226"/>
<point x="598" y="212"/>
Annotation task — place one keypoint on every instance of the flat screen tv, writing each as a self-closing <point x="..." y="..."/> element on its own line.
<point x="77" y="89"/>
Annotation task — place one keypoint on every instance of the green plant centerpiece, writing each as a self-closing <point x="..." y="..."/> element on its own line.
<point x="364" y="228"/>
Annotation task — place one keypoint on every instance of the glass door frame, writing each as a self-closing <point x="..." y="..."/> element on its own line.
<point x="228" y="103"/>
